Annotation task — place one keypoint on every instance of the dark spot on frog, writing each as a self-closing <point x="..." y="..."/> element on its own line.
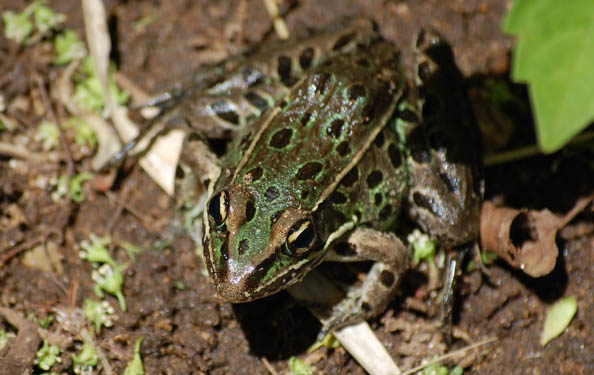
<point x="355" y="92"/>
<point x="431" y="107"/>
<point x="309" y="171"/>
<point x="281" y="138"/>
<point x="225" y="111"/>
<point x="335" y="127"/>
<point x="343" y="148"/>
<point x="254" y="174"/>
<point x="421" y="156"/>
<point x="306" y="57"/>
<point x="378" y="199"/>
<point x="409" y="116"/>
<point x="350" y="178"/>
<point x="387" y="278"/>
<point x="256" y="100"/>
<point x="305" y="119"/>
<point x="251" y="76"/>
<point x="195" y="137"/>
<point x="374" y="179"/>
<point x="321" y="81"/>
<point x="179" y="172"/>
<point x="379" y="140"/>
<point x="337" y="198"/>
<point x="424" y="202"/>
<point x="284" y="67"/>
<point x="343" y="41"/>
<point x="424" y="70"/>
<point x="244" y="246"/>
<point x="222" y="262"/>
<point x="366" y="306"/>
<point x="271" y="194"/>
<point x="275" y="216"/>
<point x="364" y="62"/>
<point x="395" y="155"/>
<point x="448" y="181"/>
<point x="345" y="249"/>
<point x="250" y="211"/>
<point x="282" y="104"/>
<point x="385" y="212"/>
<point x="439" y="141"/>
<point x="304" y="194"/>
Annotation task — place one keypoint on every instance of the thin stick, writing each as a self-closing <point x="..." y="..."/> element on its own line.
<point x="528" y="151"/>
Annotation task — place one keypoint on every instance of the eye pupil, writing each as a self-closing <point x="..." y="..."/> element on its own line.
<point x="218" y="207"/>
<point x="301" y="237"/>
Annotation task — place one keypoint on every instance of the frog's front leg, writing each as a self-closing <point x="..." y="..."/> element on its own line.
<point x="392" y="258"/>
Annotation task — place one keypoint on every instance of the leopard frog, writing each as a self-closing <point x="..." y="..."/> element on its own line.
<point x="331" y="144"/>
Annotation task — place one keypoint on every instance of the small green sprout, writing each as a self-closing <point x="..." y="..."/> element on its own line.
<point x="17" y="26"/>
<point x="44" y="323"/>
<point x="4" y="337"/>
<point x="423" y="246"/>
<point x="99" y="313"/>
<point x="96" y="251"/>
<point x="47" y="356"/>
<point x="86" y="360"/>
<point x="135" y="367"/>
<point x="298" y="367"/>
<point x="110" y="279"/>
<point x="487" y="257"/>
<point x="49" y="134"/>
<point x="85" y="135"/>
<point x="180" y="285"/>
<point x="88" y="92"/>
<point x="46" y="19"/>
<point x="76" y="193"/>
<point x="131" y="249"/>
<point x="558" y="318"/>
<point x="69" y="47"/>
<point x="438" y="369"/>
<point x="329" y="341"/>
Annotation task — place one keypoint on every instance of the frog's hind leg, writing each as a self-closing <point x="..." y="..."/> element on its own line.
<point x="445" y="162"/>
<point x="392" y="258"/>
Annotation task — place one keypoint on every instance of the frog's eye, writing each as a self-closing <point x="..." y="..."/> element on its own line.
<point x="301" y="238"/>
<point x="218" y="207"/>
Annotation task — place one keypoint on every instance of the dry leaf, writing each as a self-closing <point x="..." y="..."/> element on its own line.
<point x="525" y="238"/>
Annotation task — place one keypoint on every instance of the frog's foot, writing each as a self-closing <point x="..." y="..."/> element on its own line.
<point x="392" y="259"/>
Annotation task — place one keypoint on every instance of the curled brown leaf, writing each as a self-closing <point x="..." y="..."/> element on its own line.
<point x="525" y="239"/>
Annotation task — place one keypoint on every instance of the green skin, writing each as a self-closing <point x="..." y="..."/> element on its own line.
<point x="328" y="145"/>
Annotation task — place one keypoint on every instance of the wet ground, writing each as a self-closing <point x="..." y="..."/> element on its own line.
<point x="171" y="303"/>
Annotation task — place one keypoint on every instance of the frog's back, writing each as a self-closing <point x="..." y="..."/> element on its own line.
<point x="308" y="151"/>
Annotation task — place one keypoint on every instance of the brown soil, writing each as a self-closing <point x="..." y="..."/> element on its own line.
<point x="171" y="304"/>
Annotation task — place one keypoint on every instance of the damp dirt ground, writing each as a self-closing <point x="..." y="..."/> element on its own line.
<point x="186" y="329"/>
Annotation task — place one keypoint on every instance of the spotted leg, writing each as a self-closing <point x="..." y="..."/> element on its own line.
<point x="392" y="259"/>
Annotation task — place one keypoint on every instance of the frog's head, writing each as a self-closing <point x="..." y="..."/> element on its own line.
<point x="255" y="250"/>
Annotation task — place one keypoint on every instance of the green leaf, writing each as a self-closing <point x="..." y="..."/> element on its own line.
<point x="558" y="318"/>
<point x="46" y="18"/>
<point x="298" y="367"/>
<point x="17" y="26"/>
<point x="554" y="54"/>
<point x="47" y="356"/>
<point x="69" y="47"/>
<point x="135" y="366"/>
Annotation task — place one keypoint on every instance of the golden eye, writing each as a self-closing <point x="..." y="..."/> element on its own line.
<point x="301" y="238"/>
<point x="218" y="207"/>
